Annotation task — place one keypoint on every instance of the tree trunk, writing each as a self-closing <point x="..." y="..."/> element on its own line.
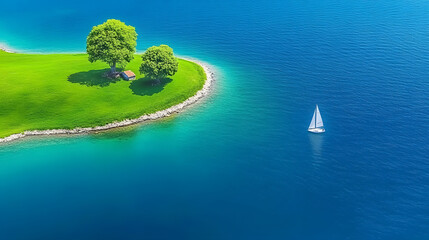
<point x="113" y="67"/>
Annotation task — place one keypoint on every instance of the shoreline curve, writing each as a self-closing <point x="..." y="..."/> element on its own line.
<point x="207" y="87"/>
<point x="5" y="48"/>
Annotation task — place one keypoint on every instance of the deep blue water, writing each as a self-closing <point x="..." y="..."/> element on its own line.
<point x="241" y="165"/>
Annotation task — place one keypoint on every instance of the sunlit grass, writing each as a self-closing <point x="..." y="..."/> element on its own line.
<point x="66" y="91"/>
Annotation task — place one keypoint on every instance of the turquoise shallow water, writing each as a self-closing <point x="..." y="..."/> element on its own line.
<point x="241" y="165"/>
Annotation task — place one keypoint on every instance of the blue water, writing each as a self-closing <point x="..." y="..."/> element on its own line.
<point x="241" y="165"/>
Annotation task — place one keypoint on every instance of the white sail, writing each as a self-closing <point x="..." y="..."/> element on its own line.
<point x="313" y="121"/>
<point x="316" y="125"/>
<point x="319" y="121"/>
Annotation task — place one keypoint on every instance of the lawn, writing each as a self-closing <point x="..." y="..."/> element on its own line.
<point x="50" y="91"/>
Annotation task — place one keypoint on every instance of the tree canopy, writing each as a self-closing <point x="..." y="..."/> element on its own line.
<point x="159" y="62"/>
<point x="112" y="42"/>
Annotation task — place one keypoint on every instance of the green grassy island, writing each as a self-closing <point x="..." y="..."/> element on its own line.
<point x="65" y="91"/>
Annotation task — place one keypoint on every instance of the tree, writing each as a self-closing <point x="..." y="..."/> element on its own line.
<point x="159" y="62"/>
<point x="112" y="42"/>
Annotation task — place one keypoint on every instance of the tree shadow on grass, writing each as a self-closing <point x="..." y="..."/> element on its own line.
<point x="148" y="87"/>
<point x="93" y="78"/>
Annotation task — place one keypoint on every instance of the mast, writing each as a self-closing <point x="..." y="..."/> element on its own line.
<point x="315" y="117"/>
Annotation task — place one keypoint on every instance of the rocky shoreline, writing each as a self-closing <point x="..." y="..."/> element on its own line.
<point x="147" y="117"/>
<point x="4" y="48"/>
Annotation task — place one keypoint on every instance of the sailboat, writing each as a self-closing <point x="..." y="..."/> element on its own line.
<point x="316" y="125"/>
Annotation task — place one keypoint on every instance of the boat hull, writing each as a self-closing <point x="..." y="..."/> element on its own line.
<point x="316" y="130"/>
